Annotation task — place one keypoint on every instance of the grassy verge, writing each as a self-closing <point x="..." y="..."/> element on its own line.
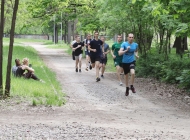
<point x="48" y="93"/>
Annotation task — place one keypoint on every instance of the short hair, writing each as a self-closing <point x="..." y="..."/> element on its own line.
<point x="76" y="36"/>
<point x="119" y="35"/>
<point x="96" y="32"/>
<point x="103" y="37"/>
<point x="131" y="34"/>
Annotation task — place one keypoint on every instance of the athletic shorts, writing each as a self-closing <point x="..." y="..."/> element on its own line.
<point x="128" y="66"/>
<point x="117" y="62"/>
<point x="94" y="58"/>
<point x="87" y="53"/>
<point x="103" y="60"/>
<point x="79" y="57"/>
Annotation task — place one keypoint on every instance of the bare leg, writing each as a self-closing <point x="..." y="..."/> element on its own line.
<point x="132" y="71"/>
<point x="97" y="68"/>
<point x="118" y="68"/>
<point x="77" y="61"/>
<point x="87" y="61"/>
<point x="103" y="68"/>
<point x="127" y="80"/>
<point x="80" y="61"/>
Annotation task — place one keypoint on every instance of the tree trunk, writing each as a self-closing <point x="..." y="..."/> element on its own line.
<point x="1" y="45"/>
<point x="8" y="76"/>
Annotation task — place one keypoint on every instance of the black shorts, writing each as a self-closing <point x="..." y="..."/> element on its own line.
<point x="87" y="53"/>
<point x="103" y="60"/>
<point x="94" y="58"/>
<point x="128" y="66"/>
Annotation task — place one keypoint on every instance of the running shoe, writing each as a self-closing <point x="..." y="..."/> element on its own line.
<point x="102" y="76"/>
<point x="120" y="83"/>
<point x="86" y="69"/>
<point x="80" y="70"/>
<point x="76" y="69"/>
<point x="97" y="79"/>
<point x="133" y="89"/>
<point x="127" y="91"/>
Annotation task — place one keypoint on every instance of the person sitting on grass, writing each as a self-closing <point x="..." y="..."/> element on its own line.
<point x="30" y="71"/>
<point x="15" y="67"/>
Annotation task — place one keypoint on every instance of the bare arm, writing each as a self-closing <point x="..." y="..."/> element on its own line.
<point x="136" y="54"/>
<point x="25" y="67"/>
<point x="122" y="51"/>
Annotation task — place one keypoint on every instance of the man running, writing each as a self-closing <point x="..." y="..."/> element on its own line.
<point x="117" y="58"/>
<point x="103" y="60"/>
<point x="87" y="52"/>
<point x="77" y="47"/>
<point x="95" y="53"/>
<point x="129" y="51"/>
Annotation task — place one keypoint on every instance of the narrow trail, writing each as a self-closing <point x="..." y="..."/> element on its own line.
<point x="98" y="110"/>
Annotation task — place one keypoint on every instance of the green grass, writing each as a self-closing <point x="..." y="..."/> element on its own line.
<point x="48" y="93"/>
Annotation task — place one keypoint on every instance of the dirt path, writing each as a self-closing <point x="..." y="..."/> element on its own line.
<point x="97" y="110"/>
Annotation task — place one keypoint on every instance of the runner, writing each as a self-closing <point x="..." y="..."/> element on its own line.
<point x="87" y="52"/>
<point x="77" y="47"/>
<point x="103" y="60"/>
<point x="129" y="51"/>
<point x="95" y="53"/>
<point x="117" y="58"/>
<point x="71" y="46"/>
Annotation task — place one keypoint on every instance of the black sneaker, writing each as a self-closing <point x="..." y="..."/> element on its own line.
<point x="102" y="76"/>
<point x="76" y="69"/>
<point x="90" y="67"/>
<point x="127" y="91"/>
<point x="133" y="89"/>
<point x="79" y="70"/>
<point x="97" y="79"/>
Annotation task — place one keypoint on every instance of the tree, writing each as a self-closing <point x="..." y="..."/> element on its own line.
<point x="8" y="75"/>
<point x="1" y="45"/>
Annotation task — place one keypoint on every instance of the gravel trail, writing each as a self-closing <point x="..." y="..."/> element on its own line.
<point x="98" y="111"/>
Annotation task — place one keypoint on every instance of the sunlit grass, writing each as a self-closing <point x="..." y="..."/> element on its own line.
<point x="48" y="93"/>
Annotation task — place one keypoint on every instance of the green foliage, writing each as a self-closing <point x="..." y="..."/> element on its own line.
<point x="184" y="79"/>
<point x="154" y="65"/>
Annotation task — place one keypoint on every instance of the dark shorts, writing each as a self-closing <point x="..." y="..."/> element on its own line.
<point x="118" y="62"/>
<point x="103" y="60"/>
<point x="94" y="58"/>
<point x="87" y="53"/>
<point x="128" y="66"/>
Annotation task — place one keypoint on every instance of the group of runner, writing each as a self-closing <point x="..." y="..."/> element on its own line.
<point x="124" y="55"/>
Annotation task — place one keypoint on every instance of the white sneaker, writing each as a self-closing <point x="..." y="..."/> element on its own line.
<point x="120" y="83"/>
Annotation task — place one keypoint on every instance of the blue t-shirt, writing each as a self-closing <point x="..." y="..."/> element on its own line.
<point x="129" y="56"/>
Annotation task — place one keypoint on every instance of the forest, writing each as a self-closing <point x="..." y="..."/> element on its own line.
<point x="161" y="29"/>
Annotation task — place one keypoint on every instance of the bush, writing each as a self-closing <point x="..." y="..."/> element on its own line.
<point x="154" y="65"/>
<point x="184" y="79"/>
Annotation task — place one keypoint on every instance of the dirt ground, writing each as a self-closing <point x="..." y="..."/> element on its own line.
<point x="98" y="111"/>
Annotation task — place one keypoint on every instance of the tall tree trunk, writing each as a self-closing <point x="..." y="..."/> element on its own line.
<point x="1" y="45"/>
<point x="8" y="76"/>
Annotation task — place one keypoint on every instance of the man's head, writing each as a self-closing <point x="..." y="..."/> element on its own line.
<point x="96" y="34"/>
<point x="88" y="36"/>
<point x="78" y="39"/>
<point x="17" y="62"/>
<point x="119" y="38"/>
<point x="130" y="37"/>
<point x="103" y="39"/>
<point x="76" y="36"/>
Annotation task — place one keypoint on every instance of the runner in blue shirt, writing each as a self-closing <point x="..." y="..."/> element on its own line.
<point x="129" y="50"/>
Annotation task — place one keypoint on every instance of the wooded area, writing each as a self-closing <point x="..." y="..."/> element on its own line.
<point x="161" y="29"/>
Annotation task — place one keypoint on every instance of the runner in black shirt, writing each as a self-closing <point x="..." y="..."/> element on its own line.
<point x="78" y="47"/>
<point x="95" y="53"/>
